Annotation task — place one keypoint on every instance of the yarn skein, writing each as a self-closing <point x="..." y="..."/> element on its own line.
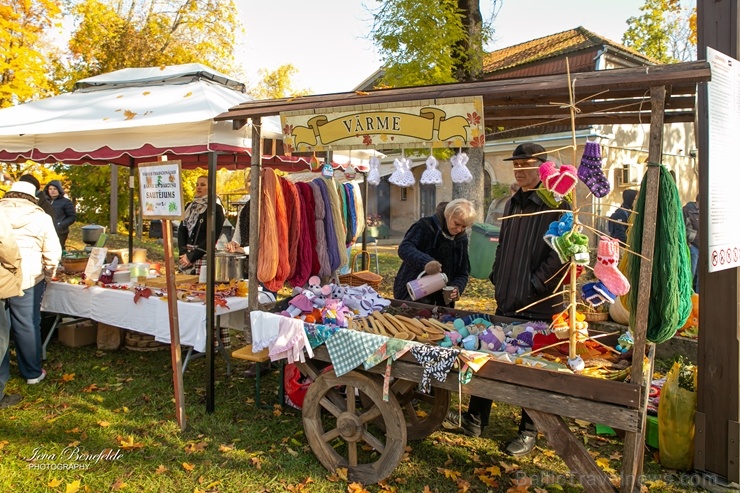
<point x="332" y="242"/>
<point x="339" y="228"/>
<point x="670" y="291"/>
<point x="308" y="260"/>
<point x="293" y="207"/>
<point x="267" y="263"/>
<point x="320" y="245"/>
<point x="359" y="210"/>
<point x="281" y="223"/>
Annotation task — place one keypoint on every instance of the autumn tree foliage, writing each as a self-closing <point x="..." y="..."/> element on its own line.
<point x="666" y="30"/>
<point x="24" y="47"/>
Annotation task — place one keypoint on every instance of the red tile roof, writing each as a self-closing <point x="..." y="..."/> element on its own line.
<point x="555" y="45"/>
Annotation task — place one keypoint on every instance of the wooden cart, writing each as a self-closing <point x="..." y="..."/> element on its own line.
<point x="338" y="412"/>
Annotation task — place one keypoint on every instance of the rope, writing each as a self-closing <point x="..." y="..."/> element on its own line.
<point x="268" y="252"/>
<point x="670" y="292"/>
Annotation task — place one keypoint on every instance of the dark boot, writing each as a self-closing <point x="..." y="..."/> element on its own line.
<point x="470" y="424"/>
<point x="522" y="444"/>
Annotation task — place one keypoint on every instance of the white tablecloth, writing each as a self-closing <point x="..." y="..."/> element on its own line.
<point x="148" y="315"/>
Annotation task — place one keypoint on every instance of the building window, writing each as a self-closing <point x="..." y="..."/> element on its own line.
<point x="404" y="193"/>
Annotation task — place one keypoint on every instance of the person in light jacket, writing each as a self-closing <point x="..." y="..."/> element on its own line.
<point x="64" y="210"/>
<point x="41" y="252"/>
<point x="10" y="285"/>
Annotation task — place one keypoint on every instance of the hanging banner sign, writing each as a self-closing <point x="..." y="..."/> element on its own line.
<point x="160" y="190"/>
<point x="454" y="122"/>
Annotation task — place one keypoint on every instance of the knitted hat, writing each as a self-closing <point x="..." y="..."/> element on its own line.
<point x="24" y="187"/>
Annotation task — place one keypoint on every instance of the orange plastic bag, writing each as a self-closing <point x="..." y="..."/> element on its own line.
<point x="676" y="412"/>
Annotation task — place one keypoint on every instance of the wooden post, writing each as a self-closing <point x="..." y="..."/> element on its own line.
<point x="210" y="283"/>
<point x="634" y="443"/>
<point x="175" y="352"/>
<point x="255" y="187"/>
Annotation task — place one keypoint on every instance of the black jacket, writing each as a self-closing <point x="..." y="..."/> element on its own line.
<point x="525" y="265"/>
<point x="428" y="240"/>
<point x="64" y="210"/>
<point x="198" y="237"/>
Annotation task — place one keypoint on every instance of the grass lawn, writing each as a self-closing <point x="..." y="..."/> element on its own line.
<point x="104" y="421"/>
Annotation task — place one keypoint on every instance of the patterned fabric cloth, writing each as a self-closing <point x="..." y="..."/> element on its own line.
<point x="391" y="350"/>
<point x="348" y="349"/>
<point x="318" y="334"/>
<point x="436" y="362"/>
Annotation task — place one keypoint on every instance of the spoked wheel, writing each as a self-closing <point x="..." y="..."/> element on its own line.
<point x="345" y="436"/>
<point x="423" y="412"/>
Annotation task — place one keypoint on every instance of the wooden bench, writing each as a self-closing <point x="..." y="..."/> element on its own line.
<point x="258" y="358"/>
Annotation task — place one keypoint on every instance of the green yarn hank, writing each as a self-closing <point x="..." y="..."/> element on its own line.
<point x="670" y="291"/>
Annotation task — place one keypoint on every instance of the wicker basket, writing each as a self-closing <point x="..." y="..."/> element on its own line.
<point x="596" y="316"/>
<point x="358" y="278"/>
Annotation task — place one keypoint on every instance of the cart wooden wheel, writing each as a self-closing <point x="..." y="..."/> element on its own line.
<point x="345" y="436"/>
<point x="424" y="413"/>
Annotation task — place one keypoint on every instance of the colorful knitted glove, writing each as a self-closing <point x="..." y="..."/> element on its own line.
<point x="564" y="182"/>
<point x="563" y="246"/>
<point x="559" y="227"/>
<point x="590" y="172"/>
<point x="606" y="268"/>
<point x="548" y="172"/>
<point x="580" y="249"/>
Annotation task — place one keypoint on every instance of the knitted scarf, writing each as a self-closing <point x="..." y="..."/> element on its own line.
<point x="308" y="259"/>
<point x="267" y="263"/>
<point x="197" y="207"/>
<point x="281" y="223"/>
<point x="322" y="250"/>
<point x="293" y="206"/>
<point x="359" y="210"/>
<point x="670" y="292"/>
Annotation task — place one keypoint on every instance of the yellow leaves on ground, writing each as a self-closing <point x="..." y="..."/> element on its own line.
<point x="118" y="485"/>
<point x="256" y="461"/>
<point x="188" y="466"/>
<point x="604" y="464"/>
<point x="356" y="488"/>
<point x="128" y="443"/>
<point x="72" y="487"/>
<point x="160" y="470"/>
<point x="657" y="484"/>
<point x="520" y="485"/>
<point x="339" y="474"/>
<point x="54" y="483"/>
<point x="103" y="424"/>
<point x="301" y="487"/>
<point x="3" y="443"/>
<point x="225" y="448"/>
<point x="449" y="473"/>
<point x="68" y="377"/>
<point x="192" y="447"/>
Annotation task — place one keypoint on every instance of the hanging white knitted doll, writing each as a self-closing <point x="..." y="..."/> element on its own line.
<point x="460" y="171"/>
<point x="431" y="176"/>
<point x="402" y="177"/>
<point x="373" y="176"/>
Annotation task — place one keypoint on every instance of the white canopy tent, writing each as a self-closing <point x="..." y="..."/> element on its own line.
<point x="132" y="115"/>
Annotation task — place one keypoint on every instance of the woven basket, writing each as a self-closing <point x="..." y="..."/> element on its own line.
<point x="596" y="317"/>
<point x="137" y="341"/>
<point x="358" y="278"/>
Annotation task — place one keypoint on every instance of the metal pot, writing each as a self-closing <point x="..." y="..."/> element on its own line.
<point x="91" y="233"/>
<point x="229" y="266"/>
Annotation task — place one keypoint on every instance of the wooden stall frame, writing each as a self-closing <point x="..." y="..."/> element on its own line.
<point x="619" y="97"/>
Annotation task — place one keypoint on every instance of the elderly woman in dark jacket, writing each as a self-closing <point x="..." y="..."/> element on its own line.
<point x="191" y="235"/>
<point x="434" y="244"/>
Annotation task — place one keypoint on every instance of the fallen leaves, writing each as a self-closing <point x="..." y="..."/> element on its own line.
<point x="188" y="466"/>
<point x="449" y="473"/>
<point x="128" y="443"/>
<point x="356" y="488"/>
<point x="72" y="487"/>
<point x="68" y="377"/>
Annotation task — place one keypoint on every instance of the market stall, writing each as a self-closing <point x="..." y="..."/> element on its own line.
<point x="656" y="95"/>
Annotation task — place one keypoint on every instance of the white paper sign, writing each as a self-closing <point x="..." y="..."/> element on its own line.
<point x="723" y="228"/>
<point x="160" y="190"/>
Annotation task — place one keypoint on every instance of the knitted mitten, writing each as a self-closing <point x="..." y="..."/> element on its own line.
<point x="595" y="297"/>
<point x="604" y="291"/>
<point x="548" y="172"/>
<point x="580" y="248"/>
<point x="559" y="227"/>
<point x="606" y="267"/>
<point x="564" y="182"/>
<point x="563" y="246"/>
<point x="590" y="171"/>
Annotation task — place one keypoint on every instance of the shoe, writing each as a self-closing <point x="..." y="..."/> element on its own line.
<point x="265" y="368"/>
<point x="34" y="381"/>
<point x="9" y="400"/>
<point x="522" y="445"/>
<point x="470" y="424"/>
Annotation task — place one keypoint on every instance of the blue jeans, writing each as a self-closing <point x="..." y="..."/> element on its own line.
<point x="4" y="341"/>
<point x="25" y="324"/>
<point x="694" y="251"/>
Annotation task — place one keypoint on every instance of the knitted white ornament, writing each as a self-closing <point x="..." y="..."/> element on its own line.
<point x="431" y="176"/>
<point x="460" y="171"/>
<point x="403" y="177"/>
<point x="373" y="177"/>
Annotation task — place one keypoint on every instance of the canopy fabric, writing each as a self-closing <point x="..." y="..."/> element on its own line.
<point x="134" y="114"/>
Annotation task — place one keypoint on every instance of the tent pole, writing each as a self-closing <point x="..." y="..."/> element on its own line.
<point x="211" y="278"/>
<point x="131" y="164"/>
<point x="255" y="179"/>
<point x="364" y="219"/>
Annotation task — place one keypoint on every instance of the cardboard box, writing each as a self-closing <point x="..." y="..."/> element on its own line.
<point x="110" y="337"/>
<point x="80" y="334"/>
